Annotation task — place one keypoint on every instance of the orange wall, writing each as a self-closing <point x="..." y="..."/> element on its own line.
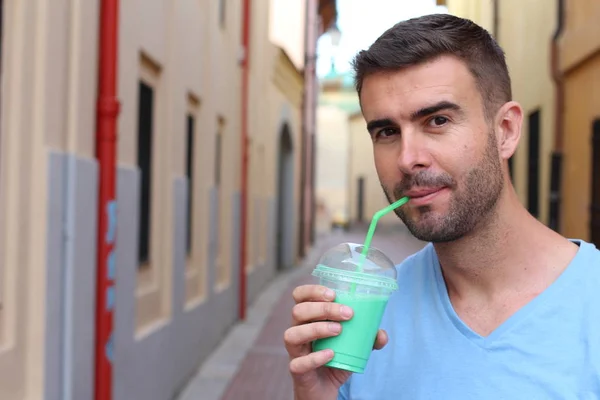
<point x="580" y="63"/>
<point x="582" y="105"/>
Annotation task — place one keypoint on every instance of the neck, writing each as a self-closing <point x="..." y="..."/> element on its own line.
<point x="508" y="253"/>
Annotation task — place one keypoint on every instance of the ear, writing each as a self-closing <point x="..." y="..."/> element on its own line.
<point x="508" y="125"/>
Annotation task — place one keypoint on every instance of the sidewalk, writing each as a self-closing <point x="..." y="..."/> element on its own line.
<point x="251" y="363"/>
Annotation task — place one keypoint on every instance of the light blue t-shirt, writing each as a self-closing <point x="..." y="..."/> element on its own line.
<point x="549" y="349"/>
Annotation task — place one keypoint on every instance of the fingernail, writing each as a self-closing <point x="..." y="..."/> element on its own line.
<point x="327" y="354"/>
<point x="335" y="328"/>
<point x="329" y="294"/>
<point x="346" y="312"/>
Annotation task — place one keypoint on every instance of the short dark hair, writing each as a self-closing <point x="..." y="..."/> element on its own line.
<point x="425" y="38"/>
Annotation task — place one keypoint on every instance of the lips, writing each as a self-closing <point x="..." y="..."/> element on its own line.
<point x="422" y="196"/>
<point x="422" y="192"/>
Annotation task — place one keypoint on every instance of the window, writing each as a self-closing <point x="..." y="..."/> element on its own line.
<point x="555" y="180"/>
<point x="222" y="268"/>
<point x="218" y="150"/>
<point x="190" y="126"/>
<point x="144" y="159"/>
<point x="152" y="292"/>
<point x="222" y="13"/>
<point x="533" y="183"/>
<point x="195" y="274"/>
<point x="255" y="231"/>
<point x="261" y="252"/>
<point x="360" y="202"/>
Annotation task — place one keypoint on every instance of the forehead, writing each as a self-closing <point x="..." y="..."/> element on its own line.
<point x="406" y="90"/>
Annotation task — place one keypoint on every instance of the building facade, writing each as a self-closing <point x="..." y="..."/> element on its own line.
<point x="350" y="193"/>
<point x="365" y="194"/>
<point x="551" y="51"/>
<point x="209" y="138"/>
<point x="337" y="100"/>
<point x="577" y="44"/>
<point x="529" y="66"/>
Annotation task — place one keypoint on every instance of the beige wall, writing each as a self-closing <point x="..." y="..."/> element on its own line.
<point x="478" y="11"/>
<point x="287" y="20"/>
<point x="280" y="95"/>
<point x="276" y="87"/>
<point x="260" y="147"/>
<point x="178" y="49"/>
<point x="49" y="79"/>
<point x="48" y="103"/>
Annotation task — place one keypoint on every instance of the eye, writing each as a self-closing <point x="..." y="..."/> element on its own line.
<point x="438" y="121"/>
<point x="386" y="133"/>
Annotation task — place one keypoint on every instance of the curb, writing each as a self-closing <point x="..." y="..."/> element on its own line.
<point x="220" y="368"/>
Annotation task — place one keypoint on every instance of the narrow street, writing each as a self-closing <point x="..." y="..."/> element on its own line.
<point x="251" y="362"/>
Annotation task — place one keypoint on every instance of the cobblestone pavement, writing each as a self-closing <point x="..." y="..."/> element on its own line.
<point x="251" y="363"/>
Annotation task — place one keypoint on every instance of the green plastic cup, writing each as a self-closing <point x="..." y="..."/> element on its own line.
<point x="364" y="282"/>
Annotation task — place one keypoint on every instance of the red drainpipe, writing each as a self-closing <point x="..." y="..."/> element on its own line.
<point x="244" y="188"/>
<point x="106" y="141"/>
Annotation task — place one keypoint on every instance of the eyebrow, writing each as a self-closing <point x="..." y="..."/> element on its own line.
<point x="442" y="105"/>
<point x="423" y="112"/>
<point x="379" y="123"/>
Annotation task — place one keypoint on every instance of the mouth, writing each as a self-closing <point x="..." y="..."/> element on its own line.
<point x="423" y="196"/>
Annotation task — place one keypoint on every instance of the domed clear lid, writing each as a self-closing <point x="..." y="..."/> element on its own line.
<point x="346" y="263"/>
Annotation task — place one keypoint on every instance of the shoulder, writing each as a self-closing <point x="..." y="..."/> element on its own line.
<point x="589" y="248"/>
<point x="416" y="262"/>
<point x="586" y="265"/>
<point x="588" y="253"/>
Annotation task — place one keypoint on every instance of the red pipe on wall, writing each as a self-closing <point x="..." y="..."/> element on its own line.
<point x="245" y="156"/>
<point x="106" y="141"/>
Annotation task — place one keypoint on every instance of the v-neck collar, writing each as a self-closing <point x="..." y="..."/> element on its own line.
<point x="485" y="341"/>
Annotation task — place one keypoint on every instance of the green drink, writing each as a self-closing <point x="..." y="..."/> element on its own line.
<point x="353" y="347"/>
<point x="366" y="292"/>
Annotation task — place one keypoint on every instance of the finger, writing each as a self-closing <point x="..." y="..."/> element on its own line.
<point x="310" y="362"/>
<point x="297" y="337"/>
<point x="381" y="340"/>
<point x="312" y="293"/>
<point x="313" y="311"/>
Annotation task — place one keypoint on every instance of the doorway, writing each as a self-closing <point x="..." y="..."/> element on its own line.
<point x="595" y="207"/>
<point x="285" y="201"/>
<point x="360" y="203"/>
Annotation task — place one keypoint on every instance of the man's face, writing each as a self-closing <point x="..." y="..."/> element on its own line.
<point x="432" y="142"/>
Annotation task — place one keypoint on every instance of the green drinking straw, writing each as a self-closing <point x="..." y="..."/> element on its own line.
<point x="374" y="221"/>
<point x="371" y="231"/>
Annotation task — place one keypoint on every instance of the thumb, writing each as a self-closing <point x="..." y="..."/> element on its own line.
<point x="381" y="340"/>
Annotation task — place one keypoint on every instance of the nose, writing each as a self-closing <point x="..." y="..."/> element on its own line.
<point x="413" y="154"/>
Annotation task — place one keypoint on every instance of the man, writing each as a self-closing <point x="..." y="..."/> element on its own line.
<point x="497" y="306"/>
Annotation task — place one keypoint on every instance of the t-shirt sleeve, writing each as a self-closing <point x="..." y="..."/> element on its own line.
<point x="344" y="392"/>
